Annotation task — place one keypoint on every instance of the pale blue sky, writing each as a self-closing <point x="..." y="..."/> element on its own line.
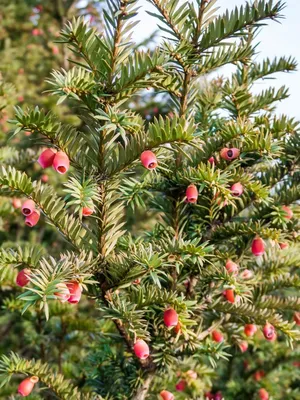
<point x="276" y="40"/>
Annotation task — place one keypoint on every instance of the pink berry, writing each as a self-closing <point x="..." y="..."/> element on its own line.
<point x="75" y="292"/>
<point x="258" y="247"/>
<point x="263" y="394"/>
<point x="258" y="375"/>
<point x="16" y="203"/>
<point x="27" y="385"/>
<point x="243" y="346"/>
<point x="165" y="395"/>
<point x="191" y="194"/>
<point x="288" y="212"/>
<point x="61" y="162"/>
<point x="170" y="317"/>
<point x="218" y="396"/>
<point x="23" y="277"/>
<point x="141" y="349"/>
<point x="148" y="159"/>
<point x="46" y="158"/>
<point x="63" y="293"/>
<point x="229" y="154"/>
<point x="28" y="207"/>
<point x="250" y="330"/>
<point x="32" y="219"/>
<point x="180" y="386"/>
<point x="86" y="211"/>
<point x="269" y="332"/>
<point x="237" y="189"/>
<point x="217" y="336"/>
<point x="232" y="267"/>
<point x="211" y="160"/>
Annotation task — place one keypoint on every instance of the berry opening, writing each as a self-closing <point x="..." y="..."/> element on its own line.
<point x="61" y="169"/>
<point x="28" y="223"/>
<point x="26" y="211"/>
<point x="229" y="153"/>
<point x="152" y="165"/>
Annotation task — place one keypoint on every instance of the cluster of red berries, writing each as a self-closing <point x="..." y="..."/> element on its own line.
<point x="56" y="159"/>
<point x="189" y="375"/>
<point x="70" y="291"/>
<point x="249" y="330"/>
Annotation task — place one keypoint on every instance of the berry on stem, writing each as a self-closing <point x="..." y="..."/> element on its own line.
<point x="46" y="158"/>
<point x="297" y="318"/>
<point x="243" y="346"/>
<point x="232" y="267"/>
<point x="141" y="349"/>
<point x="258" y="247"/>
<point x="269" y="332"/>
<point x="229" y="153"/>
<point x="170" y="317"/>
<point x="33" y="218"/>
<point x="250" y="330"/>
<point x="86" y="211"/>
<point x="28" y="207"/>
<point x="27" y="385"/>
<point x="23" y="277"/>
<point x="16" y="203"/>
<point x="229" y="294"/>
<point x="148" y="159"/>
<point x="217" y="336"/>
<point x="237" y="189"/>
<point x="61" y="162"/>
<point x="75" y="292"/>
<point x="63" y="293"/>
<point x="191" y="194"/>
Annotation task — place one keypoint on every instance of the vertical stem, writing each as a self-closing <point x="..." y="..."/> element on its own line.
<point x="142" y="391"/>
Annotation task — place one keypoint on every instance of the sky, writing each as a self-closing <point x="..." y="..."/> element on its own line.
<point x="275" y="40"/>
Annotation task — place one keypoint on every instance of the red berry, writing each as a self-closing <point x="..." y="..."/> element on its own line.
<point x="75" y="292"/>
<point x="243" y="346"/>
<point x="170" y="317"/>
<point x="232" y="267"/>
<point x="165" y="395"/>
<point x="237" y="189"/>
<point x="250" y="330"/>
<point x="263" y="394"/>
<point x="191" y="194"/>
<point x="27" y="385"/>
<point x="32" y="219"/>
<point x="148" y="159"/>
<point x="258" y="247"/>
<point x="229" y="154"/>
<point x="269" y="332"/>
<point x="258" y="375"/>
<point x="177" y="328"/>
<point x="28" y="207"/>
<point x="297" y="318"/>
<point x="181" y="385"/>
<point x="217" y="336"/>
<point x="46" y="158"/>
<point x="288" y="212"/>
<point x="23" y="277"/>
<point x="61" y="162"/>
<point x="211" y="160"/>
<point x="63" y="293"/>
<point x="141" y="349"/>
<point x="229" y="294"/>
<point x="209" y="396"/>
<point x="45" y="178"/>
<point x="86" y="211"/>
